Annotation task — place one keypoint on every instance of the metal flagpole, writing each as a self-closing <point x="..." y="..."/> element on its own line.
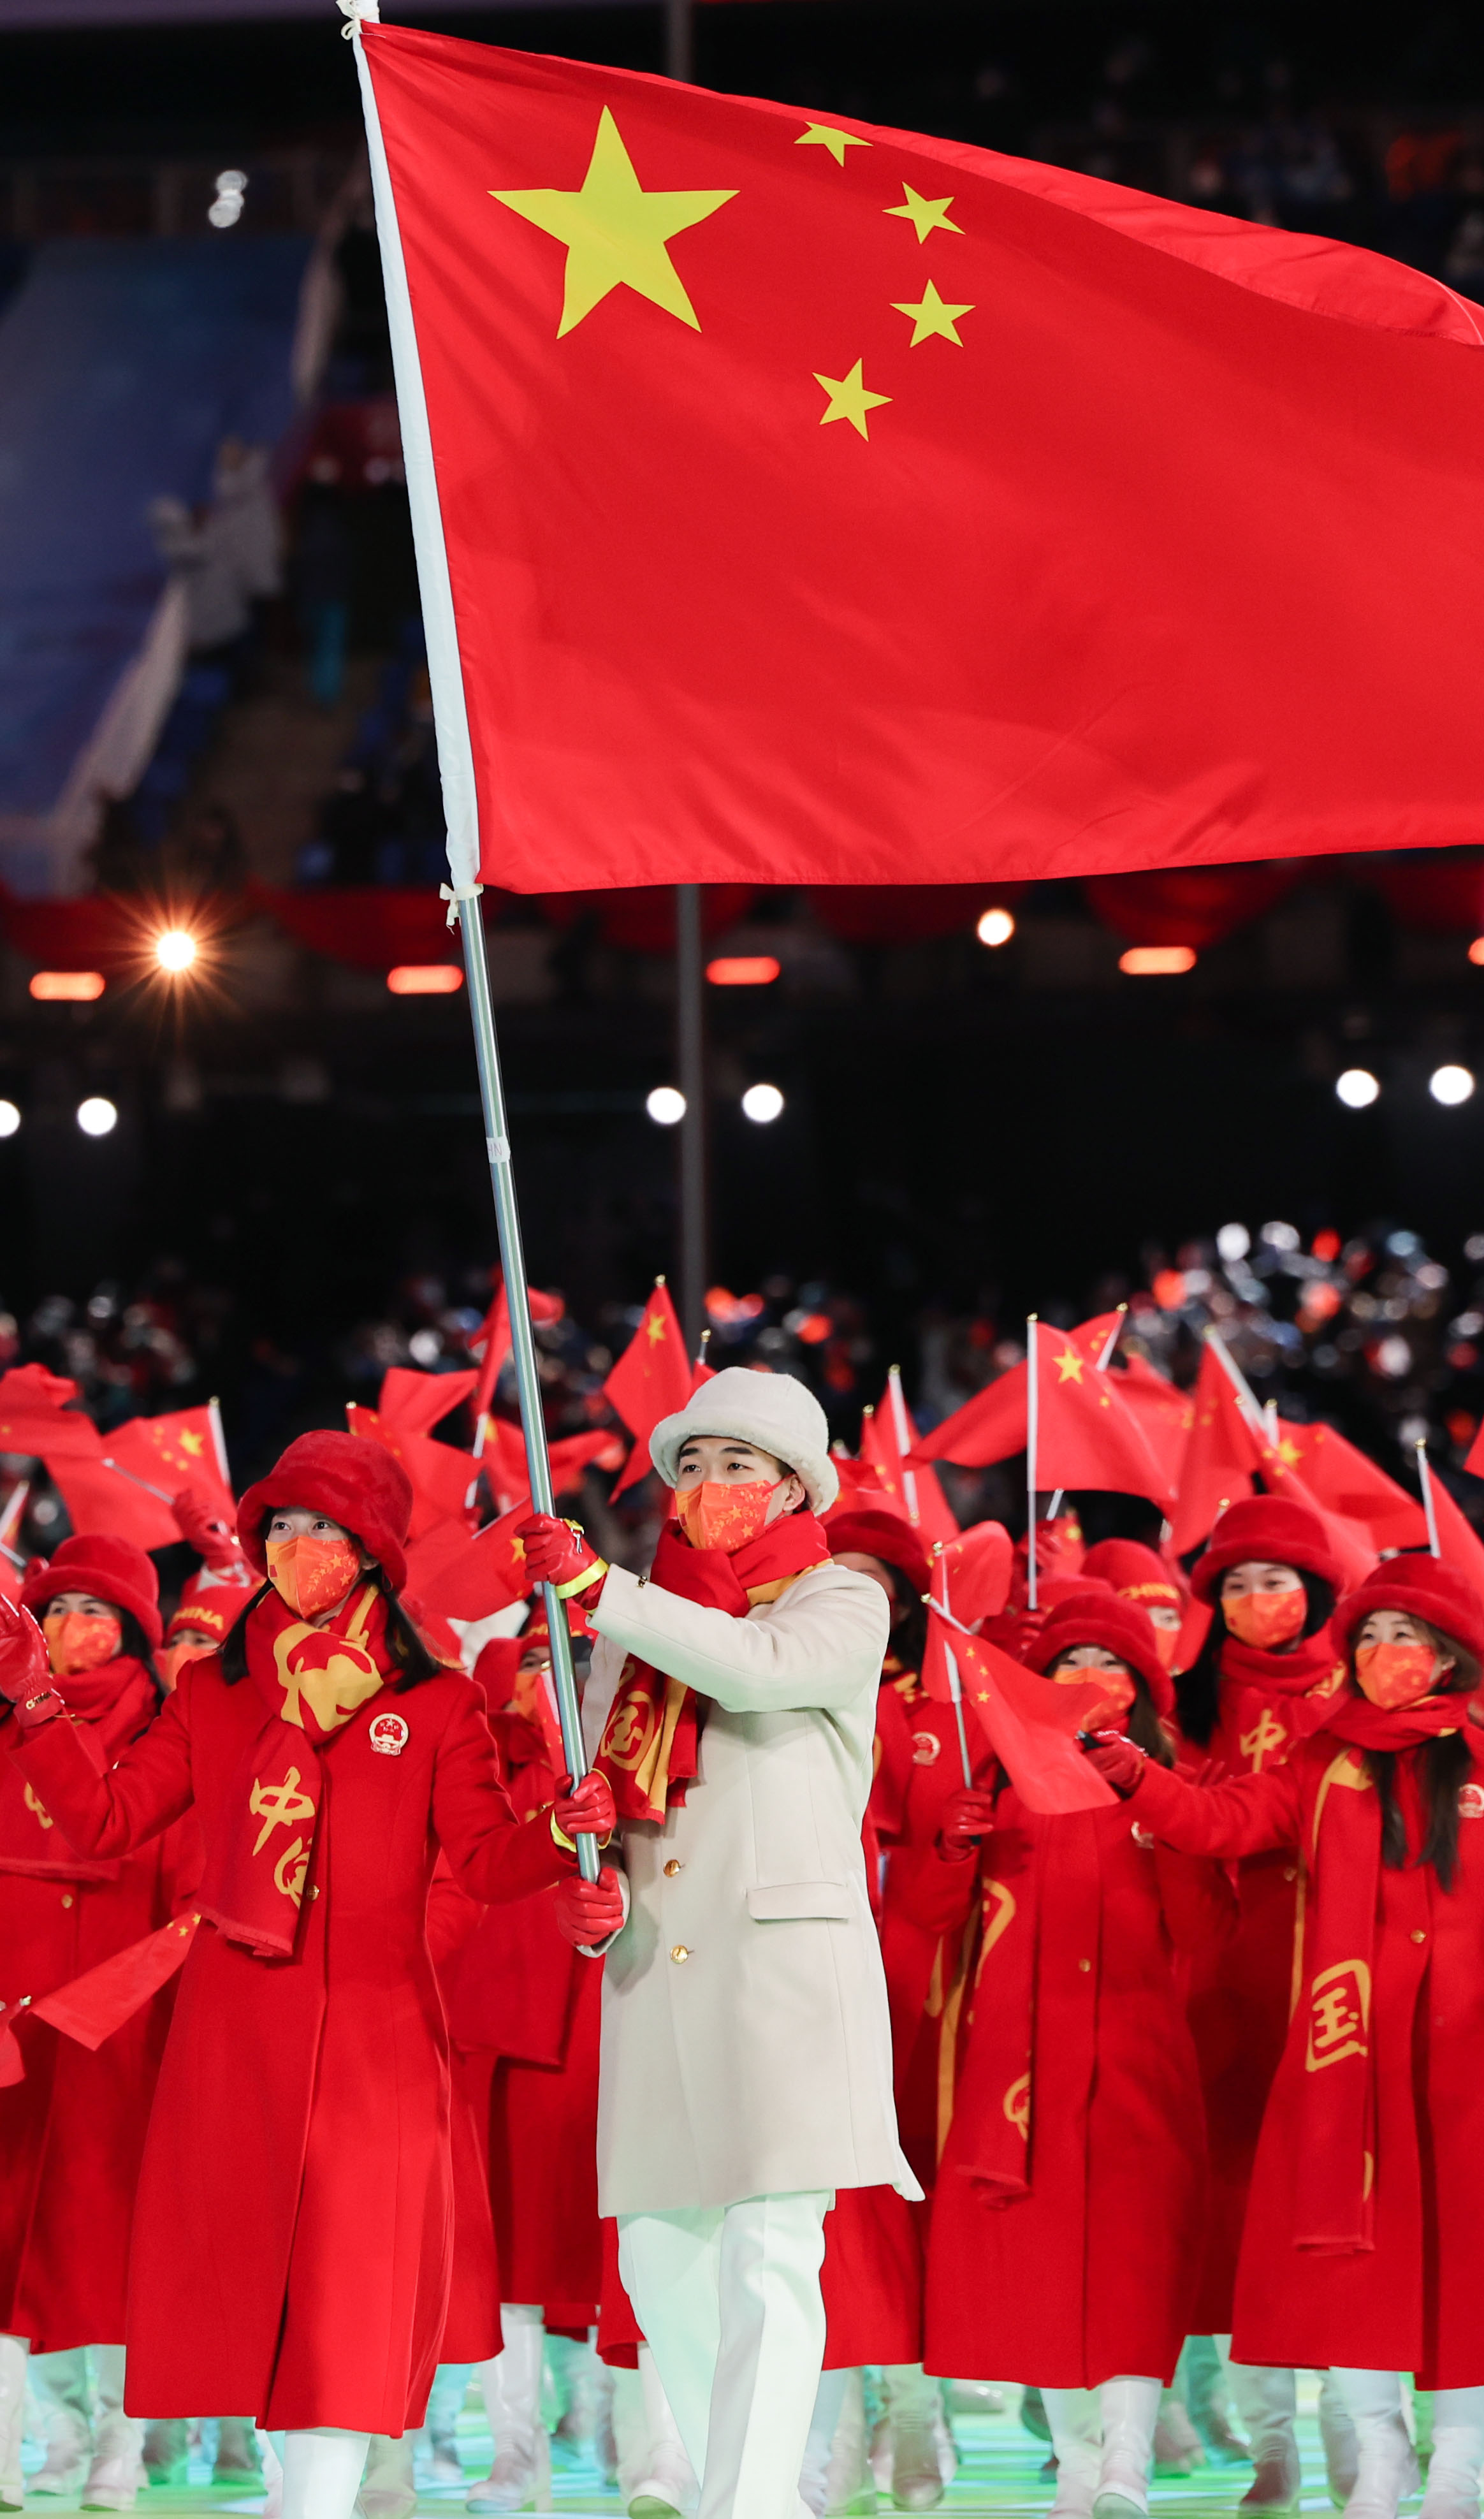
<point x="455" y="764"/>
<point x="1424" y="1476"/>
<point x="955" y="1683"/>
<point x="1033" y="1435"/>
<point x="679" y="45"/>
<point x="690" y="1044"/>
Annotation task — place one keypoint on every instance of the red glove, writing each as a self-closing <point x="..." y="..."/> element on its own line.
<point x="1116" y="1757"/>
<point x="202" y="1522"/>
<point x="588" y="1811"/>
<point x="25" y="1670"/>
<point x="969" y="1818"/>
<point x="557" y="1552"/>
<point x="588" y="1911"/>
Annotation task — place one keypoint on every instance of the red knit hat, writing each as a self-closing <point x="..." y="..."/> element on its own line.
<point x="1272" y="1530"/>
<point x="114" y="1570"/>
<point x="865" y="1531"/>
<point x="1096" y="1617"/>
<point x="354" y="1482"/>
<point x="211" y="1601"/>
<point x="1425" y="1588"/>
<point x="1137" y="1573"/>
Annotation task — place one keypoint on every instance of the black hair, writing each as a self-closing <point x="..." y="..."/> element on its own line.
<point x="415" y="1662"/>
<point x="909" y="1621"/>
<point x="1198" y="1691"/>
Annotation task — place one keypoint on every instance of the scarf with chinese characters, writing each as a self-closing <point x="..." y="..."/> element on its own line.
<point x="650" y="1749"/>
<point x="311" y="1680"/>
<point x="1335" y="2180"/>
<point x="1271" y="1702"/>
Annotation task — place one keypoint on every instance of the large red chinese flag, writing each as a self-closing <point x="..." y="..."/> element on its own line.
<point x="991" y="1426"/>
<point x="827" y="504"/>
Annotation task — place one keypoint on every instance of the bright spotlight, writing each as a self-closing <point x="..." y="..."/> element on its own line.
<point x="175" y="949"/>
<point x="666" y="1105"/>
<point x="1357" y="1089"/>
<point x="996" y="927"/>
<point x="96" y="1116"/>
<point x="762" y="1102"/>
<point x="10" y="1119"/>
<point x="1234" y="1242"/>
<point x="1450" y="1085"/>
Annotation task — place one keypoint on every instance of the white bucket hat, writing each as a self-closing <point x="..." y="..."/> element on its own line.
<point x="772" y="1410"/>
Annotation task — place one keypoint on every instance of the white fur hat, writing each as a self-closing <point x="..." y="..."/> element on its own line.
<point x="772" y="1410"/>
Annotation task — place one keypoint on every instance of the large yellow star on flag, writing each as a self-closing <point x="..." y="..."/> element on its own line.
<point x="823" y="135"/>
<point x="851" y="398"/>
<point x="931" y="316"/>
<point x="1069" y="1364"/>
<point x="925" y="215"/>
<point x="616" y="234"/>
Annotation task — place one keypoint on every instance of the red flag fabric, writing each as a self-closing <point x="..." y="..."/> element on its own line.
<point x="496" y="1335"/>
<point x="652" y="1378"/>
<point x="1345" y="1481"/>
<point x="1031" y="1722"/>
<point x="486" y="1573"/>
<point x="913" y="1489"/>
<point x="412" y="1403"/>
<point x="828" y="504"/>
<point x="1458" y="1543"/>
<point x="1085" y="1436"/>
<point x="1221" y="1455"/>
<point x="991" y="1426"/>
<point x="35" y="1417"/>
<point x="441" y="1476"/>
<point x="170" y="1450"/>
<point x="99" y="1498"/>
<point x="970" y="1579"/>
<point x="100" y="2001"/>
<point x="504" y="1459"/>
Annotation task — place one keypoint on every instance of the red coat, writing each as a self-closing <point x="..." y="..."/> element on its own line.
<point x="1412" y="2301"/>
<point x="292" y="2230"/>
<point x="73" y="2132"/>
<point x="523" y="2017"/>
<point x="1092" y="2271"/>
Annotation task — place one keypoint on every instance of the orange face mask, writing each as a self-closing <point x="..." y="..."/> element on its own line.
<point x="712" y="1515"/>
<point x="190" y="1646"/>
<point x="312" y="1574"/>
<point x="1113" y="1707"/>
<point x="79" y="1640"/>
<point x="1166" y="1645"/>
<point x="1266" y="1619"/>
<point x="1396" y="1674"/>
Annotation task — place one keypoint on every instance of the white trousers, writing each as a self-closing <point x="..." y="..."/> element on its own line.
<point x="728" y="2298"/>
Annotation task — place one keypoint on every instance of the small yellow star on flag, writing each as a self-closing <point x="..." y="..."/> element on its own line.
<point x="931" y="316"/>
<point x="654" y="1328"/>
<point x="925" y="215"/>
<point x="616" y="234"/>
<point x="823" y="135"/>
<point x="1069" y="1364"/>
<point x="850" y="399"/>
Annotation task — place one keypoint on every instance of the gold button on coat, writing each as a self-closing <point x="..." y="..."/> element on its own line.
<point x="680" y="1953"/>
<point x="67" y="1897"/>
<point x="1420" y="1936"/>
<point x="1084" y="1965"/>
<point x="671" y="1869"/>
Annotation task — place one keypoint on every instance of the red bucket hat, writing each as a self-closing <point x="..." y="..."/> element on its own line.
<point x="1099" y="1618"/>
<point x="1425" y="1588"/>
<point x="868" y="1532"/>
<point x="114" y="1570"/>
<point x="1270" y="1529"/>
<point x="1137" y="1573"/>
<point x="356" y="1484"/>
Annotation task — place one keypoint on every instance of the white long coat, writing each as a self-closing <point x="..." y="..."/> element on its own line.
<point x="746" y="2048"/>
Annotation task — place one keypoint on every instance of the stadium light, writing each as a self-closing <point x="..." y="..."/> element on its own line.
<point x="761" y="1103"/>
<point x="97" y="1115"/>
<point x="666" y="1105"/>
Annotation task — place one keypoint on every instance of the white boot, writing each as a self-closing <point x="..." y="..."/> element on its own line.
<point x="850" y="2487"/>
<point x="322" y="2473"/>
<point x="1178" y="2448"/>
<point x="387" y="2490"/>
<point x="271" y="2450"/>
<point x="62" y="2394"/>
<point x="1130" y="2410"/>
<point x="116" y="2470"/>
<point x="1341" y="2438"/>
<point x="824" y="2422"/>
<point x="11" y="2420"/>
<point x="436" y="2461"/>
<point x="655" y="2477"/>
<point x="1076" y="2437"/>
<point x="1266" y="2402"/>
<point x="1457" y="2454"/>
<point x="914" y="2413"/>
<point x="520" y="2475"/>
<point x="1388" y="2470"/>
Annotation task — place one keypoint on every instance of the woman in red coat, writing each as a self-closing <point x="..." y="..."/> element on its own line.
<point x="1360" y="2249"/>
<point x="73" y="2129"/>
<point x="1265" y="1679"/>
<point x="1067" y="2216"/>
<point x="291" y="2232"/>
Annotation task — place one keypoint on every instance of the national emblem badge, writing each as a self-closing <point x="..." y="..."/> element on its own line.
<point x="389" y="1735"/>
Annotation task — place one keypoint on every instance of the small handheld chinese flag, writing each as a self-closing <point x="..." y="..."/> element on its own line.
<point x="652" y="1378"/>
<point x="1031" y="1724"/>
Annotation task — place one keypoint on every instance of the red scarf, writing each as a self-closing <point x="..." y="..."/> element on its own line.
<point x="989" y="2138"/>
<point x="112" y="1705"/>
<point x="650" y="1749"/>
<point x="311" y="1680"/>
<point x="1334" y="2183"/>
<point x="1271" y="1702"/>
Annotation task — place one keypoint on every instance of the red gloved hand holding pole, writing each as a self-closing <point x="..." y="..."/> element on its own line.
<point x="968" y="1818"/>
<point x="25" y="1670"/>
<point x="1117" y="1758"/>
<point x="588" y="1911"/>
<point x="557" y="1552"/>
<point x="586" y="1811"/>
<point x="202" y="1523"/>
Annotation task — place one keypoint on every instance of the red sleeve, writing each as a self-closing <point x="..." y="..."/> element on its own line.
<point x="1249" y="1814"/>
<point x="452" y="1915"/>
<point x="1199" y="1903"/>
<point x="113" y="1812"/>
<point x="492" y="1855"/>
